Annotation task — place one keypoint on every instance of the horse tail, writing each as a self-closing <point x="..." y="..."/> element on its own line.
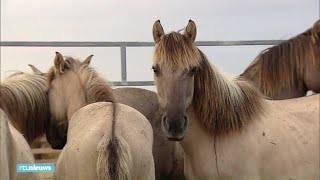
<point x="114" y="156"/>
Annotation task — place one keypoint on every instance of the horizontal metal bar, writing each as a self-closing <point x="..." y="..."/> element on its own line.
<point x="74" y="44"/>
<point x="128" y="44"/>
<point x="238" y="43"/>
<point x="133" y="83"/>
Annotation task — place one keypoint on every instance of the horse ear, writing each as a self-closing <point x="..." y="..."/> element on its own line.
<point x="87" y="60"/>
<point x="191" y="31"/>
<point x="315" y="30"/>
<point x="59" y="63"/>
<point x="35" y="70"/>
<point x="157" y="31"/>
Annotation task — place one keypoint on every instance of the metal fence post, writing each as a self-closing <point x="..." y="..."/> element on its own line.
<point x="123" y="64"/>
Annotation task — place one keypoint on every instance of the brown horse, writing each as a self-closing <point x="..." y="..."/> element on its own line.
<point x="225" y="127"/>
<point x="105" y="140"/>
<point x="290" y="69"/>
<point x="168" y="156"/>
<point x="23" y="98"/>
<point x="13" y="149"/>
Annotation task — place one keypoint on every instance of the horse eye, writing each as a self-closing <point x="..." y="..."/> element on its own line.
<point x="155" y="70"/>
<point x="193" y="71"/>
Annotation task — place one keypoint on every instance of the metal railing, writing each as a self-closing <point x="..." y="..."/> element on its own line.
<point x="123" y="49"/>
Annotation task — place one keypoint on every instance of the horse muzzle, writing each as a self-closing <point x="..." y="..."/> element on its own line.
<point x="174" y="127"/>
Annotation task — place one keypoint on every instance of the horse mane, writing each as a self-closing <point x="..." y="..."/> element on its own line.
<point x="96" y="88"/>
<point x="23" y="98"/>
<point x="282" y="66"/>
<point x="224" y="105"/>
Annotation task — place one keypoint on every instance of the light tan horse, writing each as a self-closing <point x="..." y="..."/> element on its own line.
<point x="105" y="140"/>
<point x="290" y="69"/>
<point x="23" y="98"/>
<point x="13" y="149"/>
<point x="225" y="127"/>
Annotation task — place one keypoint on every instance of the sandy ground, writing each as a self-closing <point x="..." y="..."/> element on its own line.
<point x="46" y="176"/>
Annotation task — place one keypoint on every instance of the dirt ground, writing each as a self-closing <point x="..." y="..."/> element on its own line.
<point x="46" y="175"/>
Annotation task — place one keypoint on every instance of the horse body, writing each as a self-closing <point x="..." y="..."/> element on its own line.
<point x="277" y="146"/>
<point x="168" y="155"/>
<point x="105" y="140"/>
<point x="225" y="127"/>
<point x="289" y="69"/>
<point x="13" y="149"/>
<point x="87" y="136"/>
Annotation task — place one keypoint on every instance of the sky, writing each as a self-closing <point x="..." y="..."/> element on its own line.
<point x="123" y="20"/>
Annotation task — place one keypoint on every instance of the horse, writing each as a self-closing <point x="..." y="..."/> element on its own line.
<point x="24" y="100"/>
<point x="13" y="149"/>
<point x="226" y="128"/>
<point x="105" y="139"/>
<point x="289" y="69"/>
<point x="168" y="156"/>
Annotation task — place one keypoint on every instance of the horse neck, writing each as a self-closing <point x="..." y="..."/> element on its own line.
<point x="74" y="107"/>
<point x="92" y="89"/>
<point x="224" y="105"/>
<point x="198" y="147"/>
<point x="75" y="101"/>
<point x="280" y="94"/>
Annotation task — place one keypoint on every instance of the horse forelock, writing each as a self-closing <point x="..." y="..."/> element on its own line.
<point x="176" y="51"/>
<point x="224" y="105"/>
<point x="23" y="98"/>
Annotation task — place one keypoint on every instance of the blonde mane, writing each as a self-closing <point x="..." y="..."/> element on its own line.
<point x="23" y="98"/>
<point x="222" y="105"/>
<point x="283" y="66"/>
<point x="96" y="88"/>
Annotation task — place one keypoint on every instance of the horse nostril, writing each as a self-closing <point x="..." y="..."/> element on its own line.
<point x="164" y="119"/>
<point x="185" y="122"/>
